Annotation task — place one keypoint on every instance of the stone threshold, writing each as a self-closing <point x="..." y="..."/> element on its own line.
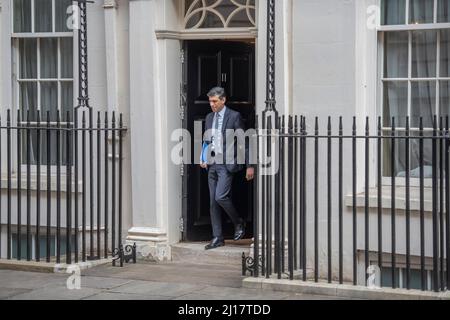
<point x="194" y="252"/>
<point x="49" y="267"/>
<point x="342" y="291"/>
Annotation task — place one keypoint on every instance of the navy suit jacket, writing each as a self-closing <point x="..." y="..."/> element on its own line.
<point x="231" y="120"/>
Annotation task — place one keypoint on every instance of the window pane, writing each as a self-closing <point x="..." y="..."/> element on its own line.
<point x="445" y="98"/>
<point x="43" y="16"/>
<point x="49" y="98"/>
<point x="235" y="11"/>
<point x="427" y="156"/>
<point x="424" y="54"/>
<point x="416" y="279"/>
<point x="61" y="7"/>
<point x="22" y="15"/>
<point x="45" y="146"/>
<point x="423" y="103"/>
<point x="66" y="57"/>
<point x="28" y="96"/>
<point x="240" y="19"/>
<point x="443" y="11"/>
<point x="43" y="246"/>
<point x="188" y="4"/>
<point x="395" y="103"/>
<point x="445" y="53"/>
<point x="195" y="18"/>
<point x="212" y="21"/>
<point x="28" y="58"/>
<point x="393" y="12"/>
<point x="63" y="243"/>
<point x="386" y="276"/>
<point x="23" y="246"/>
<point x="396" y="55"/>
<point x="400" y="155"/>
<point x="421" y="11"/>
<point x="31" y="115"/>
<point x="49" y="58"/>
<point x="67" y="98"/>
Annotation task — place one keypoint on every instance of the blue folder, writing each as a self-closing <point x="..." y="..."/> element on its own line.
<point x="204" y="156"/>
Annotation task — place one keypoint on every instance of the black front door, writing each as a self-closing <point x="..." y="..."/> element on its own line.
<point x="231" y="65"/>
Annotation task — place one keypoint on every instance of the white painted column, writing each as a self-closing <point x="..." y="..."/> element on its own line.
<point x="116" y="21"/>
<point x="1" y="53"/>
<point x="168" y="118"/>
<point x="288" y="60"/>
<point x="111" y="42"/>
<point x="3" y="239"/>
<point x="5" y="56"/>
<point x="6" y="96"/>
<point x="148" y="185"/>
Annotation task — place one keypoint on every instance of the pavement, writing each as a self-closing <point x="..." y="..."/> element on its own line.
<point x="141" y="281"/>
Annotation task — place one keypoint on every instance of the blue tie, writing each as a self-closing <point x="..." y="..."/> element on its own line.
<point x="217" y="133"/>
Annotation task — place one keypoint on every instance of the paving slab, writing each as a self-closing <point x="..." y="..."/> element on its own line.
<point x="168" y="290"/>
<point x="102" y="282"/>
<point x="227" y="276"/>
<point x="242" y="293"/>
<point x="123" y="296"/>
<point x="10" y="292"/>
<point x="28" y="280"/>
<point x="197" y="297"/>
<point x="56" y="293"/>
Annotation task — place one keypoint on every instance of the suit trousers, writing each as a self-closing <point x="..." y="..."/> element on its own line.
<point x="220" y="182"/>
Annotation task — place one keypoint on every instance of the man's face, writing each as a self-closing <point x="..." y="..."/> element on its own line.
<point x="216" y="103"/>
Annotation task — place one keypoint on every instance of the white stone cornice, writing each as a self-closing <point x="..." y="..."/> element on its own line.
<point x="110" y="4"/>
<point x="196" y="34"/>
<point x="167" y="34"/>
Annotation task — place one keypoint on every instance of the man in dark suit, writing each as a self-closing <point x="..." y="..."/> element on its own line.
<point x="223" y="166"/>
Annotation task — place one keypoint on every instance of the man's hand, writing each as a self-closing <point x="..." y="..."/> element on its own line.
<point x="250" y="175"/>
<point x="204" y="165"/>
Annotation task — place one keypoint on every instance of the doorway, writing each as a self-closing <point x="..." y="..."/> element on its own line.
<point x="229" y="64"/>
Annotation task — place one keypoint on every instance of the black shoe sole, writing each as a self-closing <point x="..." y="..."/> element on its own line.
<point x="218" y="246"/>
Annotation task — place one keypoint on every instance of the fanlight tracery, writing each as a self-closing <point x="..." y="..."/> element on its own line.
<point x="219" y="14"/>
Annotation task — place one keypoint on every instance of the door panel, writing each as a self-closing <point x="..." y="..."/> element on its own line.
<point x="230" y="65"/>
<point x="209" y="70"/>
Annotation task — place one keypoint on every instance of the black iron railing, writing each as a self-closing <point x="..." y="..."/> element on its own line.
<point x="305" y="228"/>
<point x="43" y="166"/>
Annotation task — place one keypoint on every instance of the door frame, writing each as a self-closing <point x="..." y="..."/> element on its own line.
<point x="184" y="110"/>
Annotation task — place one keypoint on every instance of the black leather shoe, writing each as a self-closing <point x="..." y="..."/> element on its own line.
<point x="215" y="243"/>
<point x="239" y="231"/>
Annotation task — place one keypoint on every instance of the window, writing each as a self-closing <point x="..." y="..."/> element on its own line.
<point x="219" y="14"/>
<point x="42" y="245"/>
<point x="23" y="246"/>
<point x="415" y="74"/>
<point x="43" y="73"/>
<point x="400" y="278"/>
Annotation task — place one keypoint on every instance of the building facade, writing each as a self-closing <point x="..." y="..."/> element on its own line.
<point x="152" y="61"/>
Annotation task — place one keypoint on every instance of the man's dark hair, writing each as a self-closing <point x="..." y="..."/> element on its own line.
<point x="217" y="91"/>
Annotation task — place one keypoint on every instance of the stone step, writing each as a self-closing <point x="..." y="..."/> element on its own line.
<point x="194" y="252"/>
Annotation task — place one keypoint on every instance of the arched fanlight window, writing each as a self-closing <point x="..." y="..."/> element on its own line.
<point x="219" y="14"/>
